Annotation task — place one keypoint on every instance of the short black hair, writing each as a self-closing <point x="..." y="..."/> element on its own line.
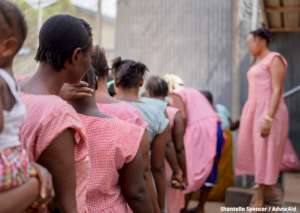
<point x="59" y="36"/>
<point x="12" y="21"/>
<point x="208" y="95"/>
<point x="128" y="73"/>
<point x="91" y="78"/>
<point x="157" y="87"/>
<point x="99" y="62"/>
<point x="262" y="33"/>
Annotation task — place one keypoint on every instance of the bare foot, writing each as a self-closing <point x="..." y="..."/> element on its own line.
<point x="257" y="199"/>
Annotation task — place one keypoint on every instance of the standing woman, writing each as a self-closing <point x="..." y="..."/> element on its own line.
<point x="52" y="132"/>
<point x="264" y="121"/>
<point x="129" y="77"/>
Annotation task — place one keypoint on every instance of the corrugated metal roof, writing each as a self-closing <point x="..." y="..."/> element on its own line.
<point x="281" y="15"/>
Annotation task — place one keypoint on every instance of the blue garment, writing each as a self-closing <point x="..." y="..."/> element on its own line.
<point x="224" y="115"/>
<point x="153" y="112"/>
<point x="212" y="179"/>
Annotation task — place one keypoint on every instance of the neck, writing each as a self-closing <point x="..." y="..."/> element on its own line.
<point x="8" y="68"/>
<point x="159" y="97"/>
<point x="131" y="94"/>
<point x="46" y="80"/>
<point x="102" y="94"/>
<point x="102" y="86"/>
<point x="263" y="53"/>
<point x="86" y="106"/>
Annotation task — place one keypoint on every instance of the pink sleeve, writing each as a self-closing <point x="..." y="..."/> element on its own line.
<point x="130" y="137"/>
<point x="54" y="125"/>
<point x="273" y="55"/>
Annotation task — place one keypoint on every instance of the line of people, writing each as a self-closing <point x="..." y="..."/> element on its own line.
<point x="70" y="144"/>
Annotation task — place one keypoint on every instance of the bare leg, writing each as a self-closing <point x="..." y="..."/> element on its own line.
<point x="258" y="197"/>
<point x="188" y="198"/>
<point x="202" y="199"/>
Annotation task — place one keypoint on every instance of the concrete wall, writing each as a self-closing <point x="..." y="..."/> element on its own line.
<point x="189" y="38"/>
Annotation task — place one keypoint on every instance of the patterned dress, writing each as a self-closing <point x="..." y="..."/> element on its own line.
<point x="47" y="117"/>
<point x="112" y="144"/>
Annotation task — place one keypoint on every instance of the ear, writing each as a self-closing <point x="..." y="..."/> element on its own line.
<point x="76" y="54"/>
<point x="141" y="82"/>
<point x="9" y="47"/>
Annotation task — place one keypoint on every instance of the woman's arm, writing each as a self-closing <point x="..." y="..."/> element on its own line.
<point x="277" y="70"/>
<point x="58" y="158"/>
<point x="133" y="185"/>
<point x="178" y="140"/>
<point x="158" y="151"/>
<point x="145" y="147"/>
<point x="17" y="200"/>
<point x="179" y="104"/>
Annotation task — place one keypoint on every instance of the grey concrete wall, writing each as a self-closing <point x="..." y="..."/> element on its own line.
<point x="189" y="38"/>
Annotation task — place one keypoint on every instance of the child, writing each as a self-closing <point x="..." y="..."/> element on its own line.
<point x="15" y="168"/>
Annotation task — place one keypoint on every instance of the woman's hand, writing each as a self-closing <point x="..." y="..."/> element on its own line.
<point x="75" y="91"/>
<point x="265" y="128"/>
<point x="46" y="186"/>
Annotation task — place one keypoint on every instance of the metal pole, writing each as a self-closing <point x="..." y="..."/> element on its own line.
<point x="99" y="23"/>
<point x="40" y="19"/>
<point x="254" y="17"/>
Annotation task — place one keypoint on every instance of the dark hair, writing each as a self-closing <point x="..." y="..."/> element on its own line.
<point x="209" y="96"/>
<point x="263" y="34"/>
<point x="128" y="73"/>
<point x="99" y="62"/>
<point x="59" y="37"/>
<point x="91" y="78"/>
<point x="13" y="21"/>
<point x="111" y="89"/>
<point x="157" y="87"/>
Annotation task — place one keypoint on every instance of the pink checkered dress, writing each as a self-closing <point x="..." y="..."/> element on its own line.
<point x="47" y="117"/>
<point x="112" y="144"/>
<point x="123" y="111"/>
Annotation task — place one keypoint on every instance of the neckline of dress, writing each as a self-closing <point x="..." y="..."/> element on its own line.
<point x="269" y="53"/>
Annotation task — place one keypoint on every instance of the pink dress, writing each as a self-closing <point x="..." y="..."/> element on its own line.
<point x="112" y="144"/>
<point x="200" y="138"/>
<point x="256" y="155"/>
<point x="175" y="197"/>
<point x="123" y="111"/>
<point x="47" y="117"/>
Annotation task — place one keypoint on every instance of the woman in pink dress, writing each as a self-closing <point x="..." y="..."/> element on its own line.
<point x="200" y="138"/>
<point x="264" y="122"/>
<point x="115" y="182"/>
<point x="157" y="88"/>
<point x="52" y="132"/>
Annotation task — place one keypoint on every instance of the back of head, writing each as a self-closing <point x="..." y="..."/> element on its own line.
<point x="157" y="87"/>
<point x="59" y="36"/>
<point x="128" y="73"/>
<point x="99" y="62"/>
<point x="208" y="95"/>
<point x="174" y="82"/>
<point x="12" y="23"/>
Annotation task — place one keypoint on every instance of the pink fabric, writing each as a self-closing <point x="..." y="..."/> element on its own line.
<point x="123" y="111"/>
<point x="200" y="138"/>
<point x="290" y="160"/>
<point x="259" y="156"/>
<point x="47" y="117"/>
<point x="175" y="197"/>
<point x="171" y="112"/>
<point x="112" y="144"/>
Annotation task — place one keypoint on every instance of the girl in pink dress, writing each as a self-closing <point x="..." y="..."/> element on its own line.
<point x="115" y="181"/>
<point x="52" y="132"/>
<point x="264" y="122"/>
<point x="19" y="178"/>
<point x="200" y="138"/>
